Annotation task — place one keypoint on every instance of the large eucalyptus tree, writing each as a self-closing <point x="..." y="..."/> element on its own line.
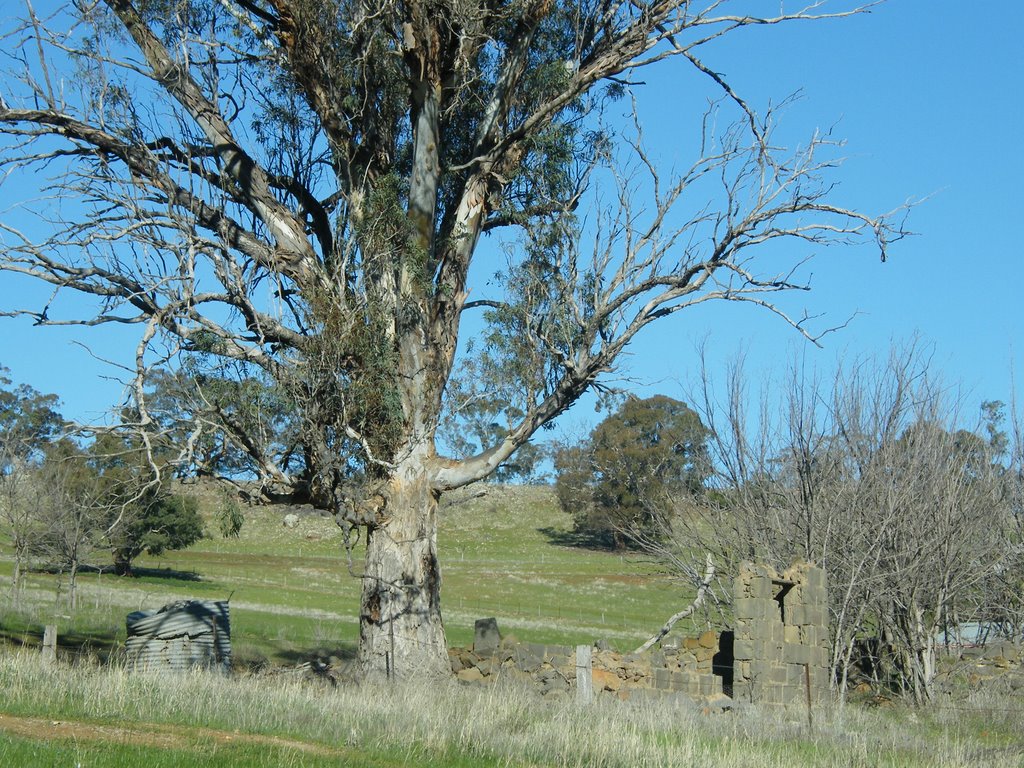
<point x="296" y="189"/>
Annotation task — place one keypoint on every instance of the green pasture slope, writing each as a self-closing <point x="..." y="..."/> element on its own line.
<point x="507" y="553"/>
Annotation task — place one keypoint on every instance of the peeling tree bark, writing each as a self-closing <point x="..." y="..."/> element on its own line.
<point x="401" y="634"/>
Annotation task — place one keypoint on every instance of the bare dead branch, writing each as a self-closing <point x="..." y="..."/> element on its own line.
<point x="702" y="588"/>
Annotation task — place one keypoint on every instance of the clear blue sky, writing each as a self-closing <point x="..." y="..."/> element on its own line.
<point x="929" y="95"/>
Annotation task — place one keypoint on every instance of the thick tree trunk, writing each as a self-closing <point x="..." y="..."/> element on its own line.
<point x="401" y="635"/>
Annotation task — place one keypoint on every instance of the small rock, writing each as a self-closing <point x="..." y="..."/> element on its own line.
<point x="291" y="520"/>
<point x="485" y="664"/>
<point x="457" y="661"/>
<point x="719" y="702"/>
<point x="528" y="662"/>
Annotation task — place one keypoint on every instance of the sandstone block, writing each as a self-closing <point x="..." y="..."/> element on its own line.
<point x="814" y="615"/>
<point x="796" y="615"/>
<point x="679" y="682"/>
<point x="537" y="649"/>
<point x="485" y="664"/>
<point x="605" y="680"/>
<point x="814" y="577"/>
<point x="553" y="684"/>
<point x="661" y="679"/>
<point x="796" y="654"/>
<point x="748" y="608"/>
<point x="526" y="661"/>
<point x="743" y="650"/>
<point x="470" y="675"/>
<point x="762" y="587"/>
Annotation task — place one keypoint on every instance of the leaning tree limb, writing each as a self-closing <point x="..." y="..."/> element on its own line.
<point x="705" y="584"/>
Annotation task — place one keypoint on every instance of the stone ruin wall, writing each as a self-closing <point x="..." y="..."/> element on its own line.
<point x="778" y="643"/>
<point x="686" y="670"/>
<point x="780" y="636"/>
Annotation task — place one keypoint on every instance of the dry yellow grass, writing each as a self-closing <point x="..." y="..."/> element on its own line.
<point x="452" y="725"/>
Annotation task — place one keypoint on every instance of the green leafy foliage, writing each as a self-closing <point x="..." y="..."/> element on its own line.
<point x="28" y="420"/>
<point x="618" y="481"/>
<point x="164" y="522"/>
<point x="141" y="515"/>
<point x="229" y="517"/>
<point x="154" y="523"/>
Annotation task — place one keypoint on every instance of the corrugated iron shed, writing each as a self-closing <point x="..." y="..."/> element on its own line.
<point x="180" y="636"/>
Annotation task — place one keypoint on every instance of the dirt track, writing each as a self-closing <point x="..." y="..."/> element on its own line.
<point x="146" y="734"/>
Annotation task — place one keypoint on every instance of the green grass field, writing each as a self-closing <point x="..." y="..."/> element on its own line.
<point x="505" y="554"/>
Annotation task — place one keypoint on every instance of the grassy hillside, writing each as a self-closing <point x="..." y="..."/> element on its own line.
<point x="503" y="554"/>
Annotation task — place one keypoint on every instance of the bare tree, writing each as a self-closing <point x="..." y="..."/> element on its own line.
<point x="73" y="513"/>
<point x="20" y="517"/>
<point x="28" y="422"/>
<point x="999" y="604"/>
<point x="872" y="476"/>
<point x="300" y="187"/>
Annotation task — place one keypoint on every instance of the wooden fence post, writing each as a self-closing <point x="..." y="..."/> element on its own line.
<point x="584" y="676"/>
<point x="50" y="643"/>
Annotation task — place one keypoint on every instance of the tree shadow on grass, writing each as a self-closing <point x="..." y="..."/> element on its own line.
<point x="343" y="653"/>
<point x="577" y="539"/>
<point x="74" y="645"/>
<point x="137" y="572"/>
<point x="165" y="573"/>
